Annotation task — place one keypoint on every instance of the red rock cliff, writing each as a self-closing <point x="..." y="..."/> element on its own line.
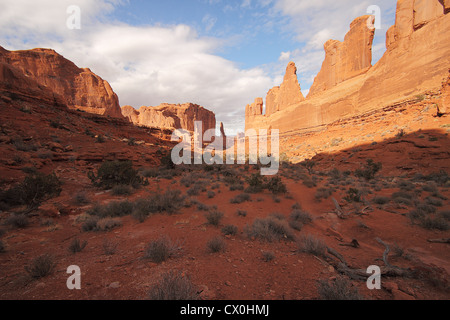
<point x="77" y="88"/>
<point x="171" y="116"/>
<point x="345" y="60"/>
<point x="416" y="60"/>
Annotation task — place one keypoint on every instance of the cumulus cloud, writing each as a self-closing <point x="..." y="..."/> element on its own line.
<point x="312" y="23"/>
<point x="149" y="65"/>
<point x="145" y="65"/>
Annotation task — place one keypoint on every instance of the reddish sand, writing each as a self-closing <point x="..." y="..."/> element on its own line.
<point x="240" y="272"/>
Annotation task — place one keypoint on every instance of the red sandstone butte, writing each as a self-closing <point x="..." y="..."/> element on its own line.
<point x="416" y="61"/>
<point x="171" y="116"/>
<point x="76" y="87"/>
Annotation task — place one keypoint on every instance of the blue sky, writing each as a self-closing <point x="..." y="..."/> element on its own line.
<point x="217" y="53"/>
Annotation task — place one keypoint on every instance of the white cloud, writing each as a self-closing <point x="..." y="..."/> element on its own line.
<point x="246" y="3"/>
<point x="312" y="23"/>
<point x="209" y="22"/>
<point x="145" y="65"/>
<point x="284" y="56"/>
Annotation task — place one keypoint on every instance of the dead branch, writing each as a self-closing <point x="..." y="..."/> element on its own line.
<point x="338" y="210"/>
<point x="353" y="244"/>
<point x="439" y="240"/>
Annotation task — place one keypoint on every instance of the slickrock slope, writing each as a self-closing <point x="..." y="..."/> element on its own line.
<point x="416" y="61"/>
<point x="53" y="74"/>
<point x="171" y="116"/>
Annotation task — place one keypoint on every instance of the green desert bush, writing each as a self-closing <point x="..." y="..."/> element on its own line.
<point x="276" y="186"/>
<point x="370" y="169"/>
<point x="113" y="173"/>
<point x="35" y="189"/>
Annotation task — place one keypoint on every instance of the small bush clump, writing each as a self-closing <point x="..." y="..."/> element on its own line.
<point x="240" y="198"/>
<point x="113" y="173"/>
<point x="35" y="189"/>
<point x="229" y="230"/>
<point x="270" y="229"/>
<point x="216" y="244"/>
<point x="214" y="217"/>
<point x="174" y="286"/>
<point x="369" y="170"/>
<point x="159" y="250"/>
<point x="339" y="289"/>
<point x="41" y="266"/>
<point x="312" y="245"/>
<point x="77" y="246"/>
<point x="17" y="221"/>
<point x="276" y="186"/>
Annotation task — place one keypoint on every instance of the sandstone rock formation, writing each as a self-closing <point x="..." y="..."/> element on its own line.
<point x="417" y="60"/>
<point x="252" y="111"/>
<point x="345" y="60"/>
<point x="289" y="93"/>
<point x="77" y="88"/>
<point x="171" y="116"/>
<point x="444" y="106"/>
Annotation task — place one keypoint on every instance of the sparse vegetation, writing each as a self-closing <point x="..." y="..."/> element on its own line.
<point x="353" y="195"/>
<point x="122" y="190"/>
<point x="339" y="289"/>
<point x="240" y="198"/>
<point x="17" y="221"/>
<point x="36" y="188"/>
<point x="276" y="186"/>
<point x="113" y="173"/>
<point x="268" y="256"/>
<point x="312" y="245"/>
<point x="41" y="266"/>
<point x="229" y="230"/>
<point x="160" y="250"/>
<point x="216" y="244"/>
<point x="214" y="217"/>
<point x="109" y="247"/>
<point x="369" y="171"/>
<point x="174" y="286"/>
<point x="270" y="229"/>
<point x="77" y="246"/>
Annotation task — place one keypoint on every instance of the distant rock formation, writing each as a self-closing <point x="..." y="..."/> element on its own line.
<point x="77" y="88"/>
<point x="171" y="116"/>
<point x="252" y="111"/>
<point x="417" y="60"/>
<point x="345" y="60"/>
<point x="289" y="93"/>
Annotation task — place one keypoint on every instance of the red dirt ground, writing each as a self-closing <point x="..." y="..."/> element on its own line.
<point x="239" y="273"/>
